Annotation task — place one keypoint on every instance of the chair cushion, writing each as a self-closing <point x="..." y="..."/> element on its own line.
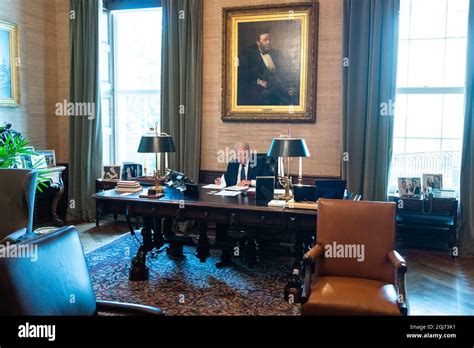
<point x="351" y="296"/>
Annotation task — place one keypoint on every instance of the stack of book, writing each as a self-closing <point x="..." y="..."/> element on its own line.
<point x="128" y="186"/>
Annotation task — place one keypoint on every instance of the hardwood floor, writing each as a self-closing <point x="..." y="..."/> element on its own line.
<point x="436" y="283"/>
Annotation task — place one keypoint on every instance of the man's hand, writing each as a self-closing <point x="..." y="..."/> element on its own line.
<point x="262" y="83"/>
<point x="218" y="181"/>
<point x="244" y="183"/>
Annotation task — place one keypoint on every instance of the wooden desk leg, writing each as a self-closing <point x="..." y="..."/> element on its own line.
<point x="251" y="248"/>
<point x="295" y="281"/>
<point x="60" y="190"/>
<point x="139" y="270"/>
<point x="222" y="238"/>
<point x="175" y="248"/>
<point x="202" y="249"/>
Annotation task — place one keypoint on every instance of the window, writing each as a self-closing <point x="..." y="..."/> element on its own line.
<point x="430" y="90"/>
<point x="131" y="81"/>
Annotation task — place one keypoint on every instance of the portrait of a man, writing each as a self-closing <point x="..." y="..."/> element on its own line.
<point x="266" y="76"/>
<point x="269" y="63"/>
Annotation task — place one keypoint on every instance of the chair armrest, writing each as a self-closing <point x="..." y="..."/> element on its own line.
<point x="400" y="266"/>
<point x="397" y="261"/>
<point x="309" y="260"/>
<point x="127" y="308"/>
<point x="14" y="237"/>
<point x="313" y="255"/>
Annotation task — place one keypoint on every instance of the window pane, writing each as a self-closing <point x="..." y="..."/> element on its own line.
<point x="136" y="115"/>
<point x="453" y="116"/>
<point x="104" y="66"/>
<point x="104" y="27"/>
<point x="138" y="46"/>
<point x="457" y="18"/>
<point x="403" y="59"/>
<point x="428" y="19"/>
<point x="405" y="7"/>
<point x="400" y="116"/>
<point x="426" y="63"/>
<point x="455" y="64"/>
<point x="424" y="115"/>
<point x="422" y="145"/>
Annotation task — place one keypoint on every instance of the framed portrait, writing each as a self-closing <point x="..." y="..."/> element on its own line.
<point x="269" y="63"/>
<point x="49" y="157"/>
<point x="131" y="171"/>
<point x="408" y="187"/>
<point x="9" y="65"/>
<point x="111" y="172"/>
<point x="435" y="181"/>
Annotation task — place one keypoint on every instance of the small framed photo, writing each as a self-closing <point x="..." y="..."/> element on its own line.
<point x="111" y="172"/>
<point x="435" y="181"/>
<point x="409" y="186"/>
<point x="49" y="156"/>
<point x="131" y="171"/>
<point x="26" y="161"/>
<point x="39" y="161"/>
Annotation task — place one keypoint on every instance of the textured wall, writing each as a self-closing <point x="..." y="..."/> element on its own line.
<point x="323" y="137"/>
<point x="43" y="35"/>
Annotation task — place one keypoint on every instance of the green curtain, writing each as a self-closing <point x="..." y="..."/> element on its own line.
<point x="369" y="90"/>
<point x="466" y="235"/>
<point x="181" y="82"/>
<point x="85" y="132"/>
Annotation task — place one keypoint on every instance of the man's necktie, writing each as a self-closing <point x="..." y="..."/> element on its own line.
<point x="242" y="173"/>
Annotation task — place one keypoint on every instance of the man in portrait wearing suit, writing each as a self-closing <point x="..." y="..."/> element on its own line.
<point x="262" y="79"/>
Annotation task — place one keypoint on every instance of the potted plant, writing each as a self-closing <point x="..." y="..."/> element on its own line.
<point x="13" y="145"/>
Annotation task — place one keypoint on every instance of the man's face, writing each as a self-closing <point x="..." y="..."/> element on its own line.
<point x="242" y="155"/>
<point x="264" y="43"/>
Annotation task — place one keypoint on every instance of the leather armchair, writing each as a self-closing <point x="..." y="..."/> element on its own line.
<point x="18" y="188"/>
<point x="353" y="269"/>
<point x="57" y="282"/>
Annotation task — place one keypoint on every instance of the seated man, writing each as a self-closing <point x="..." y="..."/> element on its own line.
<point x="241" y="172"/>
<point x="244" y="170"/>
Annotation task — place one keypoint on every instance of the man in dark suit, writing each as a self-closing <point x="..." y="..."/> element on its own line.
<point x="244" y="170"/>
<point x="261" y="77"/>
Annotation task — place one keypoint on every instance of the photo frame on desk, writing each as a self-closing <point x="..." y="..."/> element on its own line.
<point x="265" y="189"/>
<point x="49" y="156"/>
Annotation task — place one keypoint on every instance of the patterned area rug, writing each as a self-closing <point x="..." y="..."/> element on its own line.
<point x="184" y="286"/>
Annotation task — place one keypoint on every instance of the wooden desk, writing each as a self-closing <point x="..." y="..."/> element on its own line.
<point x="239" y="212"/>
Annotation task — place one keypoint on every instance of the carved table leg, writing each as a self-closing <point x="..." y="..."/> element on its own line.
<point x="251" y="248"/>
<point x="175" y="248"/>
<point x="139" y="270"/>
<point x="295" y="282"/>
<point x="202" y="250"/>
<point x="222" y="236"/>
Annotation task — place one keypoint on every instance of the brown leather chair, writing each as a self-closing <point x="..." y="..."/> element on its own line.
<point x="343" y="280"/>
<point x="17" y="200"/>
<point x="56" y="283"/>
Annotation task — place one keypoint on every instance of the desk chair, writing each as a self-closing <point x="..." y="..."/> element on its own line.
<point x="17" y="201"/>
<point x="44" y="287"/>
<point x="373" y="284"/>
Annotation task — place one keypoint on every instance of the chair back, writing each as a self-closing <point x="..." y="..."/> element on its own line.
<point x="356" y="238"/>
<point x="51" y="279"/>
<point x="17" y="200"/>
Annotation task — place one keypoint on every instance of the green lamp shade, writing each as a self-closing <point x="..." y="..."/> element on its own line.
<point x="156" y="144"/>
<point x="288" y="147"/>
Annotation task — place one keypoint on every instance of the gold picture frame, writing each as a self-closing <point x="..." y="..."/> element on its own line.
<point x="269" y="63"/>
<point x="9" y="65"/>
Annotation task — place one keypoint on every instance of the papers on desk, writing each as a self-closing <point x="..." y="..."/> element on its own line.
<point x="213" y="187"/>
<point x="228" y="193"/>
<point x="277" y="203"/>
<point x="236" y="188"/>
